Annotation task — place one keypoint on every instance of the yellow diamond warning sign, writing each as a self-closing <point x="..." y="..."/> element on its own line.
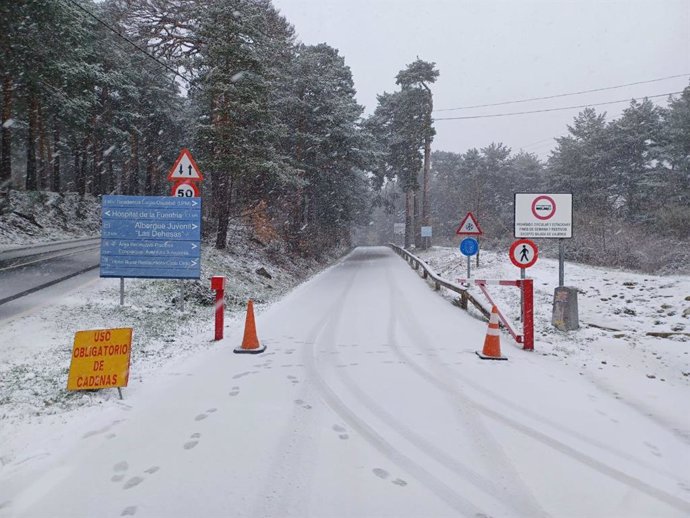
<point x="100" y="359"/>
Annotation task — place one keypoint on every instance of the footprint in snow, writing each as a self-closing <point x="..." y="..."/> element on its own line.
<point x="381" y="473"/>
<point x="134" y="481"/>
<point x="191" y="444"/>
<point x="341" y="432"/>
<point x="201" y="417"/>
<point x="240" y="375"/>
<point x="400" y="482"/>
<point x="301" y="403"/>
<point x="129" y="511"/>
<point x="235" y="390"/>
<point x="653" y="449"/>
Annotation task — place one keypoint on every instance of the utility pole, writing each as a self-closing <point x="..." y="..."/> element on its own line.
<point x="426" y="241"/>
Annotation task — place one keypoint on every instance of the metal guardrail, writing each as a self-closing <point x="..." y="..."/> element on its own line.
<point x="428" y="273"/>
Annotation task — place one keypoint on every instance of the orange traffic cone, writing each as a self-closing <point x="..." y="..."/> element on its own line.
<point x="492" y="342"/>
<point x="250" y="342"/>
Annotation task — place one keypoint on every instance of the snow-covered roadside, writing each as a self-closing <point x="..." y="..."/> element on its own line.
<point x="653" y="371"/>
<point x="36" y="410"/>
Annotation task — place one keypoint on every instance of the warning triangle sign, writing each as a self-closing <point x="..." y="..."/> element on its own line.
<point x="469" y="226"/>
<point x="185" y="168"/>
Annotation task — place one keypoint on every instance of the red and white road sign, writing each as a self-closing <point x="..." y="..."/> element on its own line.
<point x="469" y="227"/>
<point x="185" y="168"/>
<point x="185" y="189"/>
<point x="523" y="253"/>
<point x="543" y="215"/>
<point x="543" y="207"/>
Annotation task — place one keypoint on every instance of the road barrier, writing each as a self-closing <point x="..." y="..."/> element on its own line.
<point x="527" y="337"/>
<point x="428" y="273"/>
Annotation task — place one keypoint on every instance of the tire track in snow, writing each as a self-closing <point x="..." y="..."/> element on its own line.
<point x="540" y="437"/>
<point x="511" y="483"/>
<point x="325" y="331"/>
<point x="291" y="473"/>
<point x="637" y="406"/>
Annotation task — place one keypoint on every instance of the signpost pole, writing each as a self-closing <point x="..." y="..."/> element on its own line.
<point x="182" y="296"/>
<point x="122" y="291"/>
<point x="522" y="293"/>
<point x="468" y="266"/>
<point x="119" y="391"/>
<point x="561" y="263"/>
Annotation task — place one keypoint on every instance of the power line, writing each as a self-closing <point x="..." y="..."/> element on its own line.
<point x="563" y="95"/>
<point x="548" y="109"/>
<point x="117" y="33"/>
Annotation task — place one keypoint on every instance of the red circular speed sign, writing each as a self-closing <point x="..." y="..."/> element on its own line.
<point x="543" y="207"/>
<point x="523" y="253"/>
<point x="185" y="189"/>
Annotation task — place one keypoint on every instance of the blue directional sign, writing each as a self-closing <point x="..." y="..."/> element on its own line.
<point x="189" y="230"/>
<point x="151" y="202"/>
<point x="469" y="246"/>
<point x="129" y="248"/>
<point x="151" y="237"/>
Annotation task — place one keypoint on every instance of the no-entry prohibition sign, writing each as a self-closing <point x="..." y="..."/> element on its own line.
<point x="543" y="216"/>
<point x="523" y="253"/>
<point x="543" y="207"/>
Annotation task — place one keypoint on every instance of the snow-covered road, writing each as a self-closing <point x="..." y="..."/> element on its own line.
<point x="369" y="401"/>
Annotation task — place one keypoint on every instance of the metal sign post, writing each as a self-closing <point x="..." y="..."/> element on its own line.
<point x="523" y="253"/>
<point x="561" y="263"/>
<point x="469" y="247"/>
<point x="122" y="291"/>
<point x="522" y="294"/>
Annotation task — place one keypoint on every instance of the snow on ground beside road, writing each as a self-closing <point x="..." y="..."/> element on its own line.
<point x="36" y="347"/>
<point x="651" y="370"/>
<point x="370" y="401"/>
<point x="45" y="217"/>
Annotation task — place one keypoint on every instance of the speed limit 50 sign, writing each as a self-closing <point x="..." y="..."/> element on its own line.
<point x="185" y="189"/>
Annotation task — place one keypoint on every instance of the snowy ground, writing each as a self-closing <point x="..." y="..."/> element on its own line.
<point x="369" y="402"/>
<point x="628" y="304"/>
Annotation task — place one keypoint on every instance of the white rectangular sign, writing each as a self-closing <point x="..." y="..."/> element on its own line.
<point x="543" y="215"/>
<point x="426" y="231"/>
<point x="399" y="228"/>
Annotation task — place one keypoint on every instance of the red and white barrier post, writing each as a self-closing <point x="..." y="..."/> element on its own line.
<point x="527" y="288"/>
<point x="218" y="285"/>
<point x="527" y="313"/>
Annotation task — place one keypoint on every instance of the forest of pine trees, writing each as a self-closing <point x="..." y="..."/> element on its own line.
<point x="272" y="123"/>
<point x="283" y="144"/>
<point x="630" y="179"/>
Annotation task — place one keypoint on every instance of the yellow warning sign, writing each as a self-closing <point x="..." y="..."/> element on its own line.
<point x="100" y="359"/>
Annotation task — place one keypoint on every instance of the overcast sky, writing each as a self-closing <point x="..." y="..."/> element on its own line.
<point x="489" y="51"/>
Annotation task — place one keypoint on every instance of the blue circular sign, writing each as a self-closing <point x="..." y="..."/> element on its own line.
<point x="469" y="246"/>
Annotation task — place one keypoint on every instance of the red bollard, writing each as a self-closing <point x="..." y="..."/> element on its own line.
<point x="218" y="284"/>
<point x="527" y="287"/>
